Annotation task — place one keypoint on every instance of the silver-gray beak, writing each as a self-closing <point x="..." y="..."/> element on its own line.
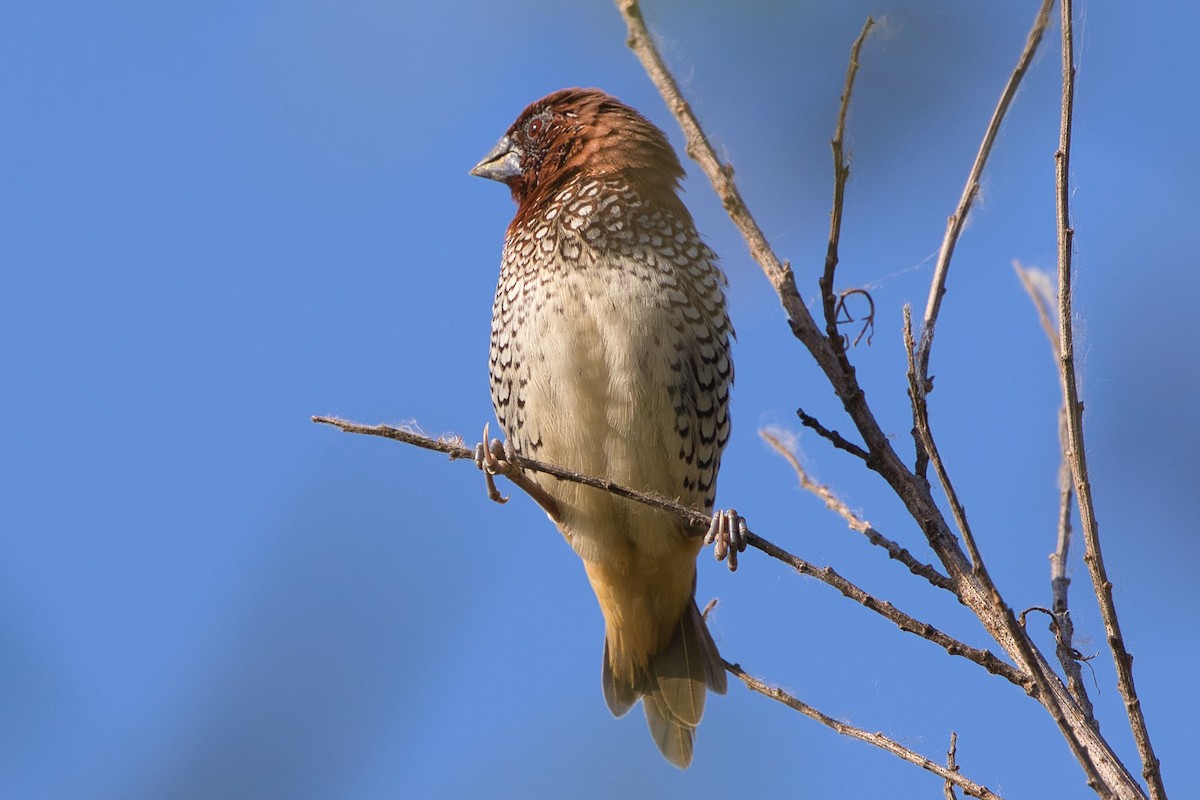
<point x="501" y="163"/>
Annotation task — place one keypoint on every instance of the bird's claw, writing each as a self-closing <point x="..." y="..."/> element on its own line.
<point x="727" y="533"/>
<point x="500" y="458"/>
<point x="493" y="459"/>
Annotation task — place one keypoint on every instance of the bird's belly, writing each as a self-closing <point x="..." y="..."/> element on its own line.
<point x="596" y="400"/>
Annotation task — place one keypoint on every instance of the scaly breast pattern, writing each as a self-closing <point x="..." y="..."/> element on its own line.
<point x="610" y="356"/>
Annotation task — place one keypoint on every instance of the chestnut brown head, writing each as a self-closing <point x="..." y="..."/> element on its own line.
<point x="585" y="133"/>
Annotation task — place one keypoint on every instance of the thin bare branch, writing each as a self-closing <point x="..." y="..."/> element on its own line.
<point x="952" y="765"/>
<point x="903" y="621"/>
<point x="833" y="437"/>
<point x="699" y="520"/>
<point x="958" y="219"/>
<point x="917" y="393"/>
<point x="698" y="147"/>
<point x="720" y="175"/>
<point x="877" y="739"/>
<point x="1028" y="652"/>
<point x="454" y="447"/>
<point x="1093" y="556"/>
<point x="855" y="522"/>
<point x="841" y="174"/>
<point x="1060" y="583"/>
<point x="1038" y="285"/>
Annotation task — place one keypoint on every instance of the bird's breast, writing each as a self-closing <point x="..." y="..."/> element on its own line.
<point x="600" y="349"/>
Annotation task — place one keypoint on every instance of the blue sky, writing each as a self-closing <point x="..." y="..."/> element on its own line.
<point x="217" y="219"/>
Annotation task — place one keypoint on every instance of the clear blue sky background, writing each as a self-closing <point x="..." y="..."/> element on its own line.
<point x="217" y="219"/>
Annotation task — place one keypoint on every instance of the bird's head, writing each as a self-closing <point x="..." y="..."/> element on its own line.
<point x="581" y="132"/>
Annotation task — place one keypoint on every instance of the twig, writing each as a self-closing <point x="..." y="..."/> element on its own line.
<point x="698" y="147"/>
<point x="1037" y="285"/>
<point x="841" y="174"/>
<point x="833" y="437"/>
<point x="952" y="765"/>
<point x="1060" y="583"/>
<point x="1060" y="634"/>
<point x="877" y="739"/>
<point x="916" y="392"/>
<point x="698" y="520"/>
<point x="1028" y="652"/>
<point x="1101" y="768"/>
<point x="958" y="219"/>
<point x="720" y="175"/>
<point x="454" y="448"/>
<point x="903" y="621"/>
<point x="855" y="522"/>
<point x="1093" y="556"/>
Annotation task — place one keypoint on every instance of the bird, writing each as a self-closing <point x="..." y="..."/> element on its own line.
<point x="610" y="356"/>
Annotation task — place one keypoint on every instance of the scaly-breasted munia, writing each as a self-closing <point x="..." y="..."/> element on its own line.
<point x="610" y="356"/>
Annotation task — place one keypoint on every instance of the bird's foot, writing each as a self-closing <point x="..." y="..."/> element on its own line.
<point x="500" y="458"/>
<point x="492" y="458"/>
<point x="727" y="534"/>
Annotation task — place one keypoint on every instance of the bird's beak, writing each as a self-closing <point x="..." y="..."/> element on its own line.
<point x="501" y="163"/>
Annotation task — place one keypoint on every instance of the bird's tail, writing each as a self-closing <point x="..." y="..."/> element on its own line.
<point x="672" y="686"/>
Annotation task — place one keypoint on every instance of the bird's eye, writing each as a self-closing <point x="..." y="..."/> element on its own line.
<point x="535" y="127"/>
